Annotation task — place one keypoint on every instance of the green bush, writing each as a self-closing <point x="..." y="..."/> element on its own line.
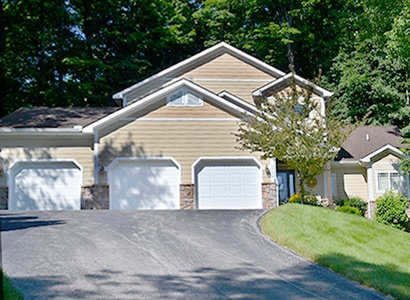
<point x="391" y="210"/>
<point x="309" y="199"/>
<point x="355" y="201"/>
<point x="350" y="210"/>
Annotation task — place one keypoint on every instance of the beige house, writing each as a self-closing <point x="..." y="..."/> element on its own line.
<point x="169" y="145"/>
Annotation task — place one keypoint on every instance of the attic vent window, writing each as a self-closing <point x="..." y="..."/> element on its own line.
<point x="184" y="98"/>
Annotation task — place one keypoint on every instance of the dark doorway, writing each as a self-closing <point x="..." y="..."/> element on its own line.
<point x="286" y="185"/>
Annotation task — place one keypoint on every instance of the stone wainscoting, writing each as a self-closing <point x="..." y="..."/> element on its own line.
<point x="269" y="199"/>
<point x="4" y="196"/>
<point x="95" y="197"/>
<point x="186" y="196"/>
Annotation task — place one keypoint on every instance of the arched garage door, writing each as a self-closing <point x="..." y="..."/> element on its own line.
<point x="45" y="185"/>
<point x="136" y="183"/>
<point x="228" y="183"/>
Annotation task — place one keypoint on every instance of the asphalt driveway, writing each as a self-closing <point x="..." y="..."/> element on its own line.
<point x="158" y="255"/>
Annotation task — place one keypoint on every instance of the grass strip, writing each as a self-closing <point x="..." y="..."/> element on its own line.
<point x="9" y="292"/>
<point x="367" y="252"/>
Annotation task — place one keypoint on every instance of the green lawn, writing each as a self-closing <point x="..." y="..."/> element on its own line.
<point x="370" y="253"/>
<point x="9" y="291"/>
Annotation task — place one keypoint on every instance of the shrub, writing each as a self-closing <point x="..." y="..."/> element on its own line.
<point x="295" y="198"/>
<point x="355" y="201"/>
<point x="309" y="199"/>
<point x="391" y="210"/>
<point x="350" y="210"/>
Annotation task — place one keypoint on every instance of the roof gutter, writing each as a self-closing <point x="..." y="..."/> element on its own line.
<point x="76" y="131"/>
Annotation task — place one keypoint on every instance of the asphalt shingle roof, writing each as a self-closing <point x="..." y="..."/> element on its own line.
<point x="54" y="117"/>
<point x="367" y="139"/>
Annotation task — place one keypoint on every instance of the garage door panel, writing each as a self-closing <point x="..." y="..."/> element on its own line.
<point x="45" y="186"/>
<point x="140" y="184"/>
<point x="230" y="185"/>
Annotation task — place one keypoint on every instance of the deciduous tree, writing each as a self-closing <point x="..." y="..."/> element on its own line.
<point x="294" y="127"/>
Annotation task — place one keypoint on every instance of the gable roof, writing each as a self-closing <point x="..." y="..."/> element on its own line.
<point x="191" y="63"/>
<point x="283" y="82"/>
<point x="149" y="101"/>
<point x="367" y="141"/>
<point x="54" y="117"/>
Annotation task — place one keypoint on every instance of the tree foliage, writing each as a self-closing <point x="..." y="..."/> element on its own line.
<point x="80" y="52"/>
<point x="370" y="73"/>
<point x="294" y="127"/>
<point x="391" y="210"/>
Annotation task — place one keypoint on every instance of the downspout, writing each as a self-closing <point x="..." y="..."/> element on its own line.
<point x="370" y="189"/>
<point x="329" y="183"/>
<point x="96" y="148"/>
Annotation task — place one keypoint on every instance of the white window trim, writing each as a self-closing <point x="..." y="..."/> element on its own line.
<point x="184" y="98"/>
<point x="389" y="182"/>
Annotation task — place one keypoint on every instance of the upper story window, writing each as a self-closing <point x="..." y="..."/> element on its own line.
<point x="184" y="98"/>
<point x="388" y="180"/>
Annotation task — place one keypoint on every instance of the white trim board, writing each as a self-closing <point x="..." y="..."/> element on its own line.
<point x="199" y="59"/>
<point x="159" y="95"/>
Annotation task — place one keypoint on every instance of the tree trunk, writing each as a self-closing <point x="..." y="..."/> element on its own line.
<point x="302" y="188"/>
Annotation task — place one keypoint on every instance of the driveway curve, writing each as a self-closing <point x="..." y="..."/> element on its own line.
<point x="158" y="255"/>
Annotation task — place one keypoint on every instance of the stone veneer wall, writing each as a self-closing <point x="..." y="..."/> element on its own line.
<point x="186" y="196"/>
<point x="4" y="196"/>
<point x="95" y="197"/>
<point x="269" y="195"/>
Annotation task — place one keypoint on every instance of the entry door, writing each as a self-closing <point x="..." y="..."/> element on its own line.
<point x="286" y="185"/>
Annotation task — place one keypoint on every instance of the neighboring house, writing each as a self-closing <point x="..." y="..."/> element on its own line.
<point x="170" y="145"/>
<point x="368" y="165"/>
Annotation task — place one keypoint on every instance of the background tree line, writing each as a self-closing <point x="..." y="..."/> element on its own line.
<point x="80" y="52"/>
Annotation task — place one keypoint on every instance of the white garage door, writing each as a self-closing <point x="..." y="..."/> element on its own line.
<point x="144" y="184"/>
<point x="45" y="185"/>
<point x="229" y="185"/>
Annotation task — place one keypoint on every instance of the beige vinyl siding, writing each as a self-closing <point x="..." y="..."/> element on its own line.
<point x="185" y="141"/>
<point x="390" y="158"/>
<point x="224" y="72"/>
<point x="83" y="155"/>
<point x="231" y="74"/>
<point x="355" y="185"/>
<point x="350" y="181"/>
<point x="240" y="89"/>
<point x="227" y="66"/>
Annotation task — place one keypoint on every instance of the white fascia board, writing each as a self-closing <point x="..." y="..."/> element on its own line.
<point x="238" y="100"/>
<point x="41" y="131"/>
<point x="345" y="162"/>
<point x="158" y="95"/>
<point x="218" y="48"/>
<point x="388" y="148"/>
<point x="299" y="80"/>
<point x="215" y="98"/>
